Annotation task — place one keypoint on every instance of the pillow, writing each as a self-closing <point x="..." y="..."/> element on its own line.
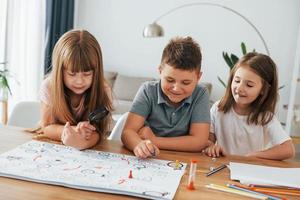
<point x="121" y="106"/>
<point x="126" y="87"/>
<point x="110" y="77"/>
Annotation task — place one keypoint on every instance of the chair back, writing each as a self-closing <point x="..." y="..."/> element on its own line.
<point x="118" y="128"/>
<point x="26" y="114"/>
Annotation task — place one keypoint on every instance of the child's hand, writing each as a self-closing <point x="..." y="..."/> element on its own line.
<point x="146" y="133"/>
<point x="85" y="129"/>
<point x="145" y="149"/>
<point x="71" y="137"/>
<point x="214" y="150"/>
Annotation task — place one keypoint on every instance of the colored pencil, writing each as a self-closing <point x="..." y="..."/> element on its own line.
<point x="253" y="192"/>
<point x="277" y="191"/>
<point x="274" y="186"/>
<point x="216" y="170"/>
<point x="234" y="191"/>
<point x="252" y="188"/>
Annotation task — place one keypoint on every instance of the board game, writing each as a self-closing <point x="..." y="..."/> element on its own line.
<point x="92" y="170"/>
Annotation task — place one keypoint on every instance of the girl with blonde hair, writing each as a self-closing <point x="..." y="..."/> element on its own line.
<point x="75" y="88"/>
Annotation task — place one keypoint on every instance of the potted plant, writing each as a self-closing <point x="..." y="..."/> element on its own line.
<point x="232" y="59"/>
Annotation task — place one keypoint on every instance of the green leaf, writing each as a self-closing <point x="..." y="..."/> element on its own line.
<point x="222" y="82"/>
<point x="4" y="84"/>
<point x="7" y="85"/>
<point x="3" y="80"/>
<point x="281" y="87"/>
<point x="243" y="47"/>
<point x="234" y="60"/>
<point x="227" y="59"/>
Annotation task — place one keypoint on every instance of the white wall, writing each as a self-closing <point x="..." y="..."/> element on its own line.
<point x="118" y="26"/>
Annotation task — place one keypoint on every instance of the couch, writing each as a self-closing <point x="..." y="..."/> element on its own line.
<point x="124" y="89"/>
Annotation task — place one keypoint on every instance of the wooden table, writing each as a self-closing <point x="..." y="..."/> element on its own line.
<point x="19" y="189"/>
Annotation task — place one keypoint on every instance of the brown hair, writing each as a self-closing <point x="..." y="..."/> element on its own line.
<point x="78" y="50"/>
<point x="263" y="108"/>
<point x="182" y="53"/>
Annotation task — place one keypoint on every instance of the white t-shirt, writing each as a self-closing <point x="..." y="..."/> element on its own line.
<point x="237" y="137"/>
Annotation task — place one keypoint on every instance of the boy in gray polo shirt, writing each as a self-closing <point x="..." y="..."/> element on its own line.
<point x="172" y="113"/>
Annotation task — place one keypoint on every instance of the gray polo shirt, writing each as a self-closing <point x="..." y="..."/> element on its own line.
<point x="166" y="120"/>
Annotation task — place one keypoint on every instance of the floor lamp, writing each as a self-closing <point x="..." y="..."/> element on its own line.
<point x="155" y="30"/>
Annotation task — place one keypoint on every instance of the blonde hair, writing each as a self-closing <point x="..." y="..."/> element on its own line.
<point x="263" y="108"/>
<point x="78" y="50"/>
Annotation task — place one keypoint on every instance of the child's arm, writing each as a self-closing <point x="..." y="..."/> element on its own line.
<point x="131" y="139"/>
<point x="76" y="137"/>
<point x="54" y="132"/>
<point x="282" y="151"/>
<point x="211" y="139"/>
<point x="213" y="149"/>
<point x="195" y="141"/>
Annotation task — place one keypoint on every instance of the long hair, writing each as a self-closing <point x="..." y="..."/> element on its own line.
<point x="78" y="51"/>
<point x="263" y="107"/>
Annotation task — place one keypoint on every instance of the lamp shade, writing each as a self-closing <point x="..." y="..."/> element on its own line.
<point x="153" y="30"/>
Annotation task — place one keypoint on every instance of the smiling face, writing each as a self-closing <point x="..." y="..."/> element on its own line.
<point x="78" y="82"/>
<point x="177" y="84"/>
<point x="246" y="86"/>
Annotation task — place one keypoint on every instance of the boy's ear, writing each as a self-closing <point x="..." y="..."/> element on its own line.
<point x="159" y="69"/>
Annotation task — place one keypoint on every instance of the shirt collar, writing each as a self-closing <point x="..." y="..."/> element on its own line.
<point x="161" y="99"/>
<point x="160" y="95"/>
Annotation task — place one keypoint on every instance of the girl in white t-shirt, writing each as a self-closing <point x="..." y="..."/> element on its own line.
<point x="75" y="88"/>
<point x="243" y="121"/>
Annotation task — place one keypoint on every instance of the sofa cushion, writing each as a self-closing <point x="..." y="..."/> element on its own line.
<point x="110" y="77"/>
<point x="121" y="106"/>
<point x="126" y="87"/>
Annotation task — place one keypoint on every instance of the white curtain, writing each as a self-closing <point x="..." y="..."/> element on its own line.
<point x="3" y="14"/>
<point x="25" y="48"/>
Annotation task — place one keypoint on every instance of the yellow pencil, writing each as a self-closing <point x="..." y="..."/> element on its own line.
<point x="234" y="191"/>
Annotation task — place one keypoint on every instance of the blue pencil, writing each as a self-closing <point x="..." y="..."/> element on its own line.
<point x="253" y="192"/>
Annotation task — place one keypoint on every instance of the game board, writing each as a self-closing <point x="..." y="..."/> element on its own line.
<point x="92" y="170"/>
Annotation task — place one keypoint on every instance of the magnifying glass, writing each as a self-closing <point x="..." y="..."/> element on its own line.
<point x="97" y="115"/>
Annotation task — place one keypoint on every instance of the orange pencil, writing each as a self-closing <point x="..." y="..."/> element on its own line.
<point x="277" y="191"/>
<point x="275" y="187"/>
